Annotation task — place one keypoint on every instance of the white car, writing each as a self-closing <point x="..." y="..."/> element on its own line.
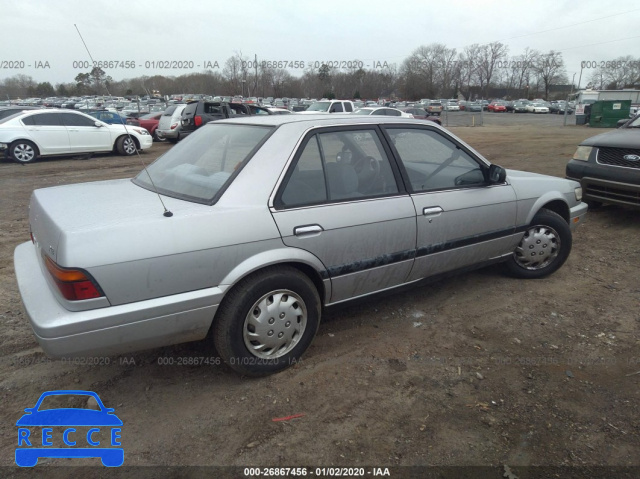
<point x="385" y="111"/>
<point x="451" y="106"/>
<point x="28" y="135"/>
<point x="537" y="108"/>
<point x="329" y="106"/>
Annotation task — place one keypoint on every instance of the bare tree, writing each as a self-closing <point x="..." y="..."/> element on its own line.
<point x="550" y="70"/>
<point x="489" y="55"/>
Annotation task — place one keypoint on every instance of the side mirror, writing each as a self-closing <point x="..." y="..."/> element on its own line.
<point x="98" y="124"/>
<point x="497" y="174"/>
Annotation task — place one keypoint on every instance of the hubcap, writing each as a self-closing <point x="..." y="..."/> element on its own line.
<point x="275" y="324"/>
<point x="23" y="152"/>
<point x="539" y="248"/>
<point x="129" y="146"/>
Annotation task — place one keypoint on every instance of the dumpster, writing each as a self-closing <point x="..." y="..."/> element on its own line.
<point x="606" y="113"/>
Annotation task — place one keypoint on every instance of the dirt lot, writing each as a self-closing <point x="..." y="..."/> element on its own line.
<point x="481" y="369"/>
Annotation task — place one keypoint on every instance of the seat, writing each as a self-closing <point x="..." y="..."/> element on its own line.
<point x="343" y="181"/>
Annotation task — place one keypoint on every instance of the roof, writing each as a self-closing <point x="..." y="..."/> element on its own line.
<point x="321" y="119"/>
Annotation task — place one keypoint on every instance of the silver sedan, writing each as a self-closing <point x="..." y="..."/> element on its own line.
<point x="243" y="232"/>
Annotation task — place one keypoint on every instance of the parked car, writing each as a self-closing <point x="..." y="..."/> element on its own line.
<point x="562" y="106"/>
<point x="170" y="123"/>
<point x="497" y="107"/>
<point x="330" y="106"/>
<point x="8" y="111"/>
<point x="474" y="107"/>
<point x="536" y="107"/>
<point x="381" y="111"/>
<point x="608" y="166"/>
<point x="30" y="135"/>
<point x="199" y="113"/>
<point x="149" y="122"/>
<point x="452" y="106"/>
<point x="268" y="221"/>
<point x="421" y="114"/>
<point x="434" y="108"/>
<point x="110" y="117"/>
<point x="520" y="106"/>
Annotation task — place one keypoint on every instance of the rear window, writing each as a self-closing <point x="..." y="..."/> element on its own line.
<point x="169" y="111"/>
<point x="200" y="168"/>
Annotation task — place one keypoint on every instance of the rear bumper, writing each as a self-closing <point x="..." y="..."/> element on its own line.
<point x="168" y="134"/>
<point x="111" y="330"/>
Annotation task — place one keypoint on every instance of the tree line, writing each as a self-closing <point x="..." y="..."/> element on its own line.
<point x="431" y="71"/>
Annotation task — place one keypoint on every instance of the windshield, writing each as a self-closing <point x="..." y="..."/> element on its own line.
<point x="635" y="123"/>
<point x="320" y="106"/>
<point x="198" y="168"/>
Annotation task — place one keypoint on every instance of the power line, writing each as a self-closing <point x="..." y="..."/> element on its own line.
<point x="599" y="43"/>
<point x="569" y="26"/>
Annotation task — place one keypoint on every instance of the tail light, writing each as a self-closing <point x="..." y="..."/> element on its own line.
<point x="173" y="126"/>
<point x="197" y="120"/>
<point x="74" y="284"/>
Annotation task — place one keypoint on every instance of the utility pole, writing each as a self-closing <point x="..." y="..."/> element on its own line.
<point x="255" y="82"/>
<point x="566" y="105"/>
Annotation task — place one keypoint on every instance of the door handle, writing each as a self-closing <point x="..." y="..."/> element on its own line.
<point x="308" y="230"/>
<point x="432" y="210"/>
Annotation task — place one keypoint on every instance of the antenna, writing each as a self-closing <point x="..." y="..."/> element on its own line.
<point x="166" y="213"/>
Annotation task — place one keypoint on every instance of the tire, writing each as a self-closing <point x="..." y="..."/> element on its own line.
<point x="126" y="146"/>
<point x="295" y="305"/>
<point x="23" y="151"/>
<point x="156" y="137"/>
<point x="544" y="247"/>
<point x="172" y="140"/>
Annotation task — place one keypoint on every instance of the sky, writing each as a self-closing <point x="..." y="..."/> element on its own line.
<point x="40" y="38"/>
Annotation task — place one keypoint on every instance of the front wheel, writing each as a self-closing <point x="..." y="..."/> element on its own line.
<point x="126" y="146"/>
<point x="267" y="321"/>
<point x="545" y="247"/>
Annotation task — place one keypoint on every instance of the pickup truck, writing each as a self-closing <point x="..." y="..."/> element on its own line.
<point x="198" y="113"/>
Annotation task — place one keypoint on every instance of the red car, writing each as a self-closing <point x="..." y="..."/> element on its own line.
<point x="149" y="122"/>
<point x="497" y="106"/>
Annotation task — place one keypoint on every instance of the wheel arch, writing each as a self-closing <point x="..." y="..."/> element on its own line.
<point x="552" y="201"/>
<point x="302" y="260"/>
<point x="30" y="140"/>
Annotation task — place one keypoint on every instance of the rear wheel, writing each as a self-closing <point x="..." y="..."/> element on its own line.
<point x="23" y="151"/>
<point x="126" y="146"/>
<point x="267" y="321"/>
<point x="156" y="137"/>
<point x="545" y="247"/>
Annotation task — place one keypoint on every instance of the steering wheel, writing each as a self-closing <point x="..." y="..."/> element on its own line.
<point x="368" y="170"/>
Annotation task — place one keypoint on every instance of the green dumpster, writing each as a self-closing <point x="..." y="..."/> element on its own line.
<point x="606" y="113"/>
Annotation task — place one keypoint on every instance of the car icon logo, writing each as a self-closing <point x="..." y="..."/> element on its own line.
<point x="631" y="157"/>
<point x="69" y="432"/>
